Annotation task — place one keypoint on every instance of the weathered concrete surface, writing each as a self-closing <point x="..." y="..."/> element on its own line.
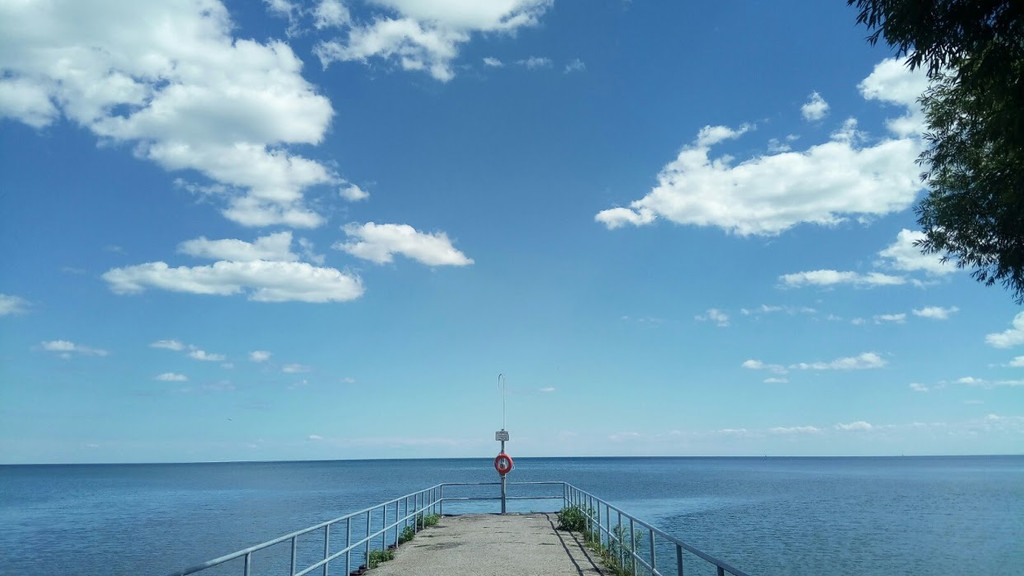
<point x="493" y="545"/>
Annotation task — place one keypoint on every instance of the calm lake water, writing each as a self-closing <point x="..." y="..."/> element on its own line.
<point x="801" y="516"/>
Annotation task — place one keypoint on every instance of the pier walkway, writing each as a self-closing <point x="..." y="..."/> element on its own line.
<point x="493" y="545"/>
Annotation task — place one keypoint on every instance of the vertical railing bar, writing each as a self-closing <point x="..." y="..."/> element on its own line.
<point x="632" y="538"/>
<point x="247" y="570"/>
<point x="366" y="546"/>
<point x="721" y="571"/>
<point x="622" y="552"/>
<point x="654" y="556"/>
<point x="607" y="522"/>
<point x="348" y="543"/>
<point x="383" y="528"/>
<point x="679" y="560"/>
<point x="295" y="549"/>
<point x="327" y="546"/>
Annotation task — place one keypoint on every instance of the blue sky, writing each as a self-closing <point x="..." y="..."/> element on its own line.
<point x="321" y="229"/>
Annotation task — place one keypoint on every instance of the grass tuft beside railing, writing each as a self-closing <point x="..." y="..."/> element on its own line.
<point x="614" y="550"/>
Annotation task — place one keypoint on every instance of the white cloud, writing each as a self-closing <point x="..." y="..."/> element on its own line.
<point x="168" y="345"/>
<point x="916" y="387"/>
<point x="264" y="281"/>
<point x="1010" y="337"/>
<point x="171" y="377"/>
<point x="766" y="309"/>
<point x="547" y="389"/>
<point x="763" y="309"/>
<point x="859" y="425"/>
<point x="273" y="247"/>
<point x="982" y="383"/>
<point x="903" y="255"/>
<point x="197" y="354"/>
<point x="259" y="356"/>
<point x="768" y="194"/>
<point x="354" y="193"/>
<point x="892" y="83"/>
<point x="534" y="62"/>
<point x="759" y="365"/>
<point x="28" y="102"/>
<point x="864" y="361"/>
<point x="169" y="79"/>
<point x="935" y="312"/>
<point x="380" y="242"/>
<point x="719" y="318"/>
<point x="834" y="277"/>
<point x="331" y="14"/>
<point x="795" y="430"/>
<point x="493" y="62"/>
<point x="426" y="35"/>
<point x="815" y="109"/>
<point x="576" y="65"/>
<point x="66" y="349"/>
<point x="774" y="380"/>
<point x="315" y="437"/>
<point x="11" y="305"/>
<point x="295" y="369"/>
<point x="1017" y="362"/>
<point x="892" y="318"/>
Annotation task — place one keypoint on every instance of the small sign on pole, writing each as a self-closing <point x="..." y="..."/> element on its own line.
<point x="501" y="436"/>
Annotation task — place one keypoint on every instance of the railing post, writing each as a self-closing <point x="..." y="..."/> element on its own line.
<point x="366" y="546"/>
<point x="654" y="557"/>
<point x="295" y="549"/>
<point x="248" y="564"/>
<point x="327" y="545"/>
<point x="679" y="560"/>
<point x="440" y="503"/>
<point x="721" y="571"/>
<point x="632" y="538"/>
<point x="620" y="534"/>
<point x="348" y="543"/>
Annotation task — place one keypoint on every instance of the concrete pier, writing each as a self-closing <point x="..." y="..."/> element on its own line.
<point x="493" y="545"/>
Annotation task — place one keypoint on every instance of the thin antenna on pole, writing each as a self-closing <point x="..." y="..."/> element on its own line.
<point x="501" y="384"/>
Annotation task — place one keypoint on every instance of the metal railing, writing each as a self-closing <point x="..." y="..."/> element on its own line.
<point x="362" y="530"/>
<point x="386" y="525"/>
<point x="635" y="544"/>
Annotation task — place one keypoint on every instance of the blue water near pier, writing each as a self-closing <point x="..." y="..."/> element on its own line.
<point x="768" y="516"/>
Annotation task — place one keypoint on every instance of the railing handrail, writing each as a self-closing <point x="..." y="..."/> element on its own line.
<point x="352" y="546"/>
<point x="665" y="535"/>
<point x="433" y="498"/>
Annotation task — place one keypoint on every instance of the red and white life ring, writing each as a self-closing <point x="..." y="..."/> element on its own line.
<point x="503" y="463"/>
